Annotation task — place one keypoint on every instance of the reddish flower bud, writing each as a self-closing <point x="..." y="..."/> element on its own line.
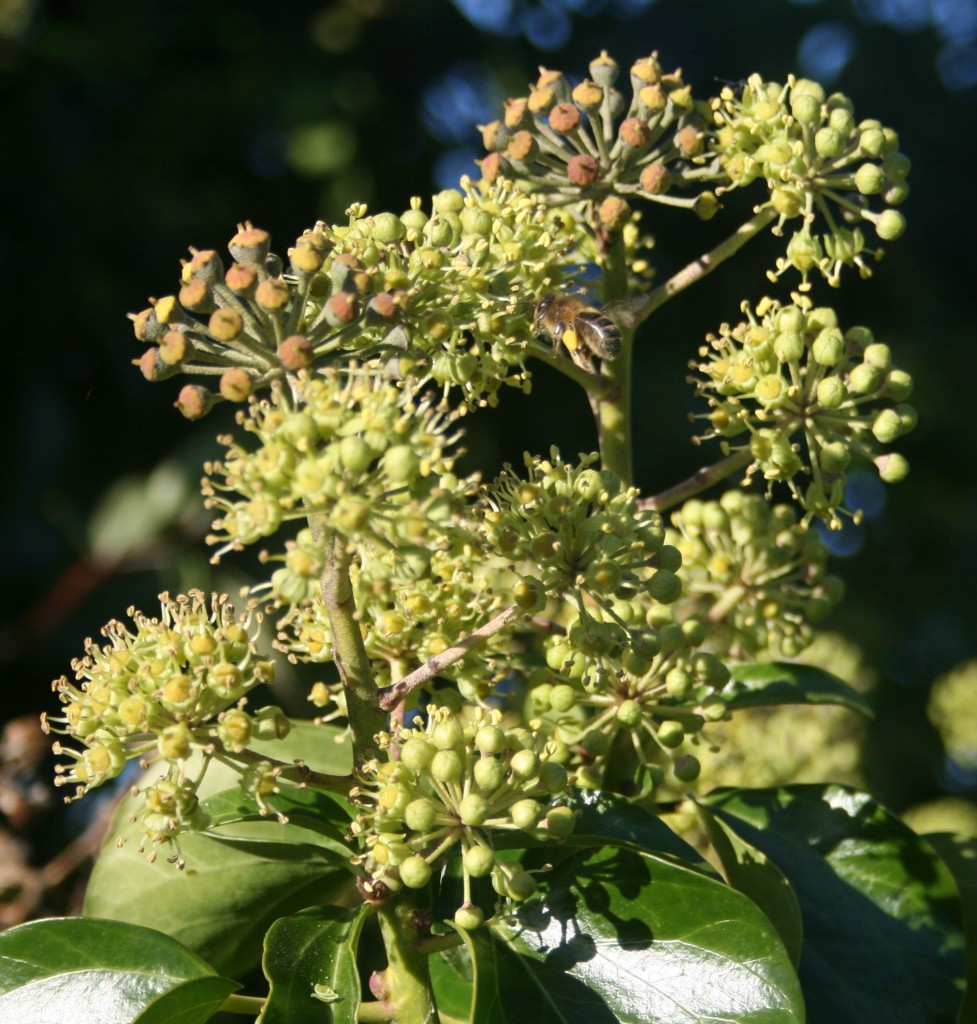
<point x="634" y="133"/>
<point x="194" y="401"/>
<point x="614" y="212"/>
<point x="305" y="259"/>
<point x="225" y="324"/>
<point x="491" y="167"/>
<point x="173" y="347"/>
<point x="235" y="384"/>
<point x="494" y="136"/>
<point x="522" y="146"/>
<point x="689" y="141"/>
<point x="196" y="296"/>
<point x="583" y="170"/>
<point x="145" y="326"/>
<point x="149" y="364"/>
<point x="296" y="352"/>
<point x="272" y="294"/>
<point x="516" y="112"/>
<point x="385" y="305"/>
<point x="655" y="179"/>
<point x="206" y="264"/>
<point x="342" y="307"/>
<point x="250" y="245"/>
<point x="240" y="279"/>
<point x="564" y="118"/>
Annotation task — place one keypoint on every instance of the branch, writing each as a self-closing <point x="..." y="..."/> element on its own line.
<point x="701" y="480"/>
<point x="391" y="696"/>
<point x="366" y="719"/>
<point x="706" y="263"/>
<point x="292" y="771"/>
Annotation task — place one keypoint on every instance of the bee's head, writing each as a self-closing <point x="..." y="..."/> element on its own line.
<point x="542" y="311"/>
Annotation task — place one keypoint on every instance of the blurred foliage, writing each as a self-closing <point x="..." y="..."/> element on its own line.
<point x="132" y="130"/>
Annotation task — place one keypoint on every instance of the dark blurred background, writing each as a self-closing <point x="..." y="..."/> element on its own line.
<point x="132" y="130"/>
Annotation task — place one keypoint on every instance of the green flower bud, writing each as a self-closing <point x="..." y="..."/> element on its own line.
<point x="892" y="467"/>
<point x="489" y="774"/>
<point x="679" y="684"/>
<point x="562" y="698"/>
<point x="553" y="776"/>
<point x="629" y="713"/>
<point x="469" y="918"/>
<point x="476" y="222"/>
<point x="887" y="426"/>
<point x="806" y="108"/>
<point x="521" y="885"/>
<point x="525" y="764"/>
<point x="478" y="860"/>
<point x="446" y="766"/>
<point x="448" y="201"/>
<point x="665" y="586"/>
<point x="490" y="739"/>
<point x="671" y="734"/>
<point x="890" y="225"/>
<point x="864" y="379"/>
<point x="686" y="768"/>
<point x="473" y="810"/>
<point x="899" y="385"/>
<point x="387" y="228"/>
<point x="415" y="872"/>
<point x="831" y="392"/>
<point x="417" y="754"/>
<point x="828" y="142"/>
<point x="834" y="457"/>
<point x="869" y="179"/>
<point x="828" y="348"/>
<point x="560" y="822"/>
<point x="525" y="814"/>
<point x="420" y="814"/>
<point x="448" y="734"/>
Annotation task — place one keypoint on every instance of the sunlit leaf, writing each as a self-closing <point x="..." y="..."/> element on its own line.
<point x="87" y="971"/>
<point x="310" y="962"/>
<point x="881" y="912"/>
<point x="620" y="936"/>
<point x="767" y="684"/>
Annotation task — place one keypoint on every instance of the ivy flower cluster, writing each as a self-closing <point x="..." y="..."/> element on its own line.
<point x="817" y="162"/>
<point x="416" y="600"/>
<point x="618" y="662"/>
<point x="460" y="782"/>
<point x="952" y="709"/>
<point x="808" y="399"/>
<point x="448" y="294"/>
<point x="753" y="574"/>
<point x="160" y="689"/>
<point x="357" y="451"/>
<point x="590" y="142"/>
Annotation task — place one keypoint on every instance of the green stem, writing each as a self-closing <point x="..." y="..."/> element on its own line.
<point x="701" y="480"/>
<point x="706" y="263"/>
<point x="407" y="979"/>
<point x="366" y="718"/>
<point x="251" y="1005"/>
<point x="295" y="771"/>
<point x="614" y="413"/>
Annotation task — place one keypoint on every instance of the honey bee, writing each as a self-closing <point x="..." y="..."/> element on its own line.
<point x="580" y="327"/>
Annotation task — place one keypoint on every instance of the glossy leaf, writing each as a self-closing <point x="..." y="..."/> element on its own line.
<point x="311" y="809"/>
<point x="620" y="936"/>
<point x="451" y="977"/>
<point x="88" y="971"/>
<point x="881" y="913"/>
<point x="959" y="854"/>
<point x="767" y="684"/>
<point x="750" y="872"/>
<point x="310" y="963"/>
<point x="222" y="903"/>
<point x="235" y="883"/>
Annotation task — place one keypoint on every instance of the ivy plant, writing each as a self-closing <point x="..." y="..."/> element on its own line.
<point x="514" y="677"/>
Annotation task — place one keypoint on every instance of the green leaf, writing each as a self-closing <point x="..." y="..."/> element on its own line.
<point x="769" y="683"/>
<point x="235" y="883"/>
<point x="222" y="903"/>
<point x="881" y="913"/>
<point x="451" y="976"/>
<point x="750" y="872"/>
<point x="604" y="819"/>
<point x="625" y="937"/>
<point x="310" y="963"/>
<point x="88" y="971"/>
<point x="959" y="854"/>
<point x="324" y="814"/>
